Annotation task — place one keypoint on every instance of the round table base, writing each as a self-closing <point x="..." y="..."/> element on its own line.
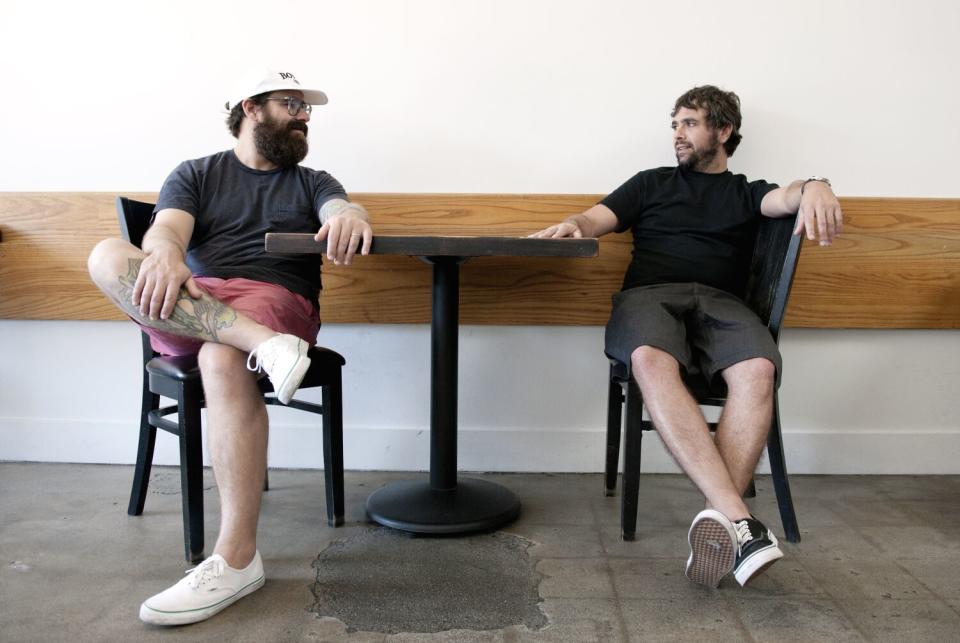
<point x="474" y="505"/>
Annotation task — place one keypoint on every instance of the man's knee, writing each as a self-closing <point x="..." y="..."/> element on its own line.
<point x="757" y="374"/>
<point x="222" y="362"/>
<point x="649" y="364"/>
<point x="110" y="259"/>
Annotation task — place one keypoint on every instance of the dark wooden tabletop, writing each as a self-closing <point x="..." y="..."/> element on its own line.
<point x="443" y="246"/>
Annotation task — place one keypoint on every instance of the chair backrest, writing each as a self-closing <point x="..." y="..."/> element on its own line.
<point x="134" y="219"/>
<point x="774" y="263"/>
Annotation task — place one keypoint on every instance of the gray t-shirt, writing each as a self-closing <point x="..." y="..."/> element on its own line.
<point x="235" y="206"/>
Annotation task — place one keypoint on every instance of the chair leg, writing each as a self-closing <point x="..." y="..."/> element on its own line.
<point x="333" y="450"/>
<point x="751" y="491"/>
<point x="778" y="468"/>
<point x="614" y="422"/>
<point x="191" y="471"/>
<point x="266" y="479"/>
<point x="631" y="461"/>
<point x="141" y="472"/>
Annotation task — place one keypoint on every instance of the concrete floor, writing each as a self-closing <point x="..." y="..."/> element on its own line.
<point x="880" y="560"/>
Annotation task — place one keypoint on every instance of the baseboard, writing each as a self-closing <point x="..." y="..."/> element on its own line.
<point x="371" y="448"/>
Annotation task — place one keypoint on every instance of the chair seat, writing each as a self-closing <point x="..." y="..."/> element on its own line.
<point x="184" y="367"/>
<point x="703" y="390"/>
<point x="180" y="368"/>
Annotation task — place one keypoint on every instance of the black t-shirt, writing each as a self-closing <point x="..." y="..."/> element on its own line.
<point x="235" y="206"/>
<point x="689" y="226"/>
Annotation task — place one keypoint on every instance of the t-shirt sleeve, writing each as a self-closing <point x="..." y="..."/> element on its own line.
<point x="626" y="202"/>
<point x="758" y="190"/>
<point x="326" y="188"/>
<point x="181" y="190"/>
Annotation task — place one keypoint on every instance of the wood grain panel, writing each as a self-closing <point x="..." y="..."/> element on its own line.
<point x="897" y="264"/>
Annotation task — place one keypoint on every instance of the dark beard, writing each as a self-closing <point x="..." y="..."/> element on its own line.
<point x="699" y="160"/>
<point x="278" y="144"/>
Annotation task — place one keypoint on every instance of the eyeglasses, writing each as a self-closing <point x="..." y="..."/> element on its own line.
<point x="294" y="105"/>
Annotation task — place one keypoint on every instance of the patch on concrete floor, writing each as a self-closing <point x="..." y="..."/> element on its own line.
<point x="383" y="580"/>
<point x="167" y="483"/>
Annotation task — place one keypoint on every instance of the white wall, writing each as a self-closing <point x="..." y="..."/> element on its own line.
<point x="492" y="96"/>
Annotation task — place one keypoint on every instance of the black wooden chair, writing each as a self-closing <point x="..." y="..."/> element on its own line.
<point x="178" y="378"/>
<point x="774" y="261"/>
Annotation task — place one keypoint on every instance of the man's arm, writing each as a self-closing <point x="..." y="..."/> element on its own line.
<point x="814" y="203"/>
<point x="595" y="222"/>
<point x="345" y="226"/>
<point x="163" y="270"/>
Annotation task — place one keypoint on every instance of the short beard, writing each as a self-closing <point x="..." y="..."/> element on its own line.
<point x="699" y="160"/>
<point x="278" y="144"/>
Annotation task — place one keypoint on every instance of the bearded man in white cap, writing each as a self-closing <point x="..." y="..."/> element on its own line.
<point x="203" y="284"/>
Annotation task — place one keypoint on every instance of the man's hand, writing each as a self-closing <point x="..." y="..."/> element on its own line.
<point x="595" y="222"/>
<point x="345" y="233"/>
<point x="563" y="229"/>
<point x="819" y="213"/>
<point x="158" y="284"/>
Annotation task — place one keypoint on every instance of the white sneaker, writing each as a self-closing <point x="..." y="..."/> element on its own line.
<point x="284" y="359"/>
<point x="713" y="548"/>
<point x="208" y="588"/>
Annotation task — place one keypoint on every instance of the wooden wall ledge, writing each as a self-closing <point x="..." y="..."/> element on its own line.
<point x="897" y="265"/>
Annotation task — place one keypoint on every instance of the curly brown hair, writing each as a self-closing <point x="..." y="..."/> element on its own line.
<point x="236" y="115"/>
<point x="722" y="108"/>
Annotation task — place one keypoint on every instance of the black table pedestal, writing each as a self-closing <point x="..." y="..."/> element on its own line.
<point x="443" y="505"/>
<point x="473" y="505"/>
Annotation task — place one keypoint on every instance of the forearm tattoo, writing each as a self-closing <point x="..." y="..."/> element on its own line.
<point x="336" y="206"/>
<point x="198" y="318"/>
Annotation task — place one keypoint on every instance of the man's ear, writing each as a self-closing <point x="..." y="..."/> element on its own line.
<point x="250" y="109"/>
<point x="725" y="132"/>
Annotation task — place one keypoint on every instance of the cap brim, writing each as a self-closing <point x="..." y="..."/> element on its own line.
<point x="314" y="96"/>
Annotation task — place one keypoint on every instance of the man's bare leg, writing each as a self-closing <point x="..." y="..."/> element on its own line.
<point x="684" y="430"/>
<point x="745" y="421"/>
<point x="237" y="440"/>
<point x="114" y="265"/>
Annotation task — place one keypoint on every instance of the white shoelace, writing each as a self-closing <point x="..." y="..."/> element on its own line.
<point x="207" y="570"/>
<point x="743" y="533"/>
<point x="257" y="365"/>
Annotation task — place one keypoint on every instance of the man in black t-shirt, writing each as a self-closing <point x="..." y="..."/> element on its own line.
<point x="694" y="228"/>
<point x="202" y="283"/>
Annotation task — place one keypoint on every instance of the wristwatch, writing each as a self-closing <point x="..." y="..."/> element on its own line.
<point x="822" y="179"/>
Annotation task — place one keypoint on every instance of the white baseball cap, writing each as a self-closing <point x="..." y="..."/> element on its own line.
<point x="263" y="80"/>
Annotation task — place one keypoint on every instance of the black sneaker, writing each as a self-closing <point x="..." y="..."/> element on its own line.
<point x="758" y="549"/>
<point x="713" y="548"/>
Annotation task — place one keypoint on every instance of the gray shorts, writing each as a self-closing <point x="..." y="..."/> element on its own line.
<point x="703" y="328"/>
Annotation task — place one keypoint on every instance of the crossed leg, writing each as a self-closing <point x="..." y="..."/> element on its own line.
<point x="114" y="265"/>
<point x="722" y="469"/>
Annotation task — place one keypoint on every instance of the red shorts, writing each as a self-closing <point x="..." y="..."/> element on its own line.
<point x="269" y="304"/>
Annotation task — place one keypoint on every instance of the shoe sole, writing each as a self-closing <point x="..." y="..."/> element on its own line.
<point x="712" y="552"/>
<point x="757" y="563"/>
<point x="292" y="381"/>
<point x="155" y="617"/>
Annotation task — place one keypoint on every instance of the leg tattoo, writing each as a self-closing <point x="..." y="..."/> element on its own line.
<point x="198" y="318"/>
